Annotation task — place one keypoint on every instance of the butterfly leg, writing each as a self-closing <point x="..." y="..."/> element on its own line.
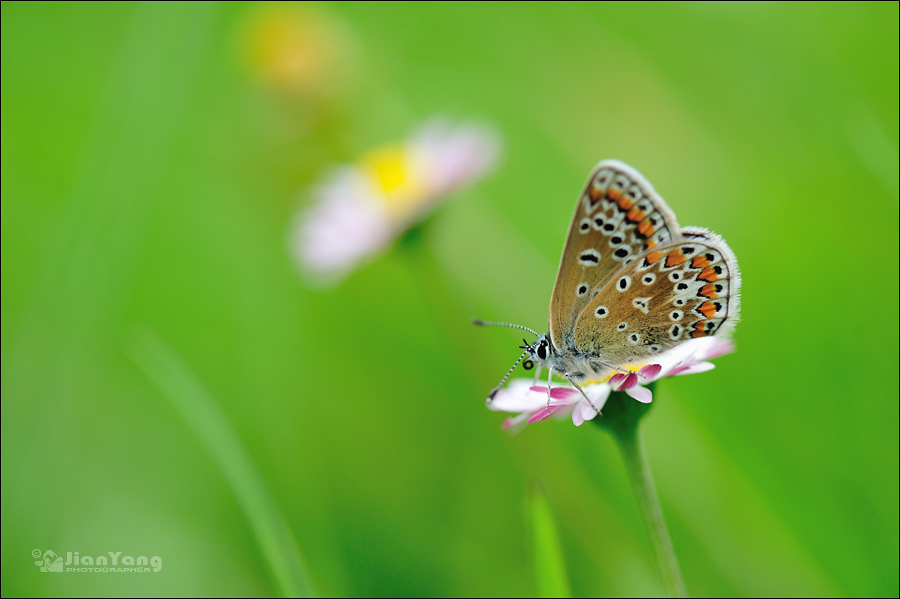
<point x="549" y="382"/>
<point x="615" y="369"/>
<point x="574" y="384"/>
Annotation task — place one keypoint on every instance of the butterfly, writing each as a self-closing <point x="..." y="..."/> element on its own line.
<point x="631" y="284"/>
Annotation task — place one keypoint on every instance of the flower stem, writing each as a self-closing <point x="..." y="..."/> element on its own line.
<point x="621" y="418"/>
<point x="632" y="448"/>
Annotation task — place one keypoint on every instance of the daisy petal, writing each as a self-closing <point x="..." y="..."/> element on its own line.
<point x="630" y="381"/>
<point x="694" y="368"/>
<point x="718" y="346"/>
<point x="650" y="371"/>
<point x="517" y="397"/>
<point x="577" y="416"/>
<point x="598" y="394"/>
<point x="562" y="392"/>
<point x="616" y="378"/>
<point x="587" y="412"/>
<point x="543" y="414"/>
<point x="642" y="394"/>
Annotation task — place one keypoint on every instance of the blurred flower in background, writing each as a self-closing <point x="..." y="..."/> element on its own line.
<point x="358" y="210"/>
<point x="300" y="51"/>
<point x="530" y="401"/>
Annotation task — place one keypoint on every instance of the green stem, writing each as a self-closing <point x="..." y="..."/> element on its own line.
<point x="632" y="447"/>
<point x="622" y="415"/>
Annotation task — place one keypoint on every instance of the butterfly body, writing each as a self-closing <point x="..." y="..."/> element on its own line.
<point x="575" y="365"/>
<point x="632" y="283"/>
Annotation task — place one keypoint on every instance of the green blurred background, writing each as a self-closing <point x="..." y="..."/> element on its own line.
<point x="151" y="168"/>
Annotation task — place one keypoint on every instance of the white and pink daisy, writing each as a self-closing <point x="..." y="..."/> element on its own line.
<point x="529" y="400"/>
<point x="359" y="210"/>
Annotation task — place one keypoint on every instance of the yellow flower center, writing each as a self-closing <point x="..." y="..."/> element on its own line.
<point x="388" y="167"/>
<point x="392" y="171"/>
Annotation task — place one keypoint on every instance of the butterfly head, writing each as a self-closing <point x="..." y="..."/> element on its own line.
<point x="540" y="351"/>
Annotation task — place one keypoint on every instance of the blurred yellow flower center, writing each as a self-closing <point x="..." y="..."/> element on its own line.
<point x="295" y="49"/>
<point x="392" y="172"/>
<point x="388" y="167"/>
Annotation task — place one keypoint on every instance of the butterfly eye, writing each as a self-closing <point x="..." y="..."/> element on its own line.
<point x="542" y="350"/>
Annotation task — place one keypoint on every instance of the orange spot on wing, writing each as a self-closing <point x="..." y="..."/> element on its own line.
<point x="625" y="203"/>
<point x="645" y="228"/>
<point x="651" y="244"/>
<point x="654" y="256"/>
<point x="709" y="290"/>
<point x="708" y="275"/>
<point x="595" y="194"/>
<point x="613" y="194"/>
<point x="700" y="262"/>
<point x="707" y="309"/>
<point x="696" y="334"/>
<point x="635" y="215"/>
<point x="674" y="258"/>
<point x="698" y="325"/>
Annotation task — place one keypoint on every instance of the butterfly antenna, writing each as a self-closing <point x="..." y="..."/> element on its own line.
<point x="502" y="382"/>
<point x="487" y="323"/>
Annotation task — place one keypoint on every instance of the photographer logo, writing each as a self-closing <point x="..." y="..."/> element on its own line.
<point x="50" y="561"/>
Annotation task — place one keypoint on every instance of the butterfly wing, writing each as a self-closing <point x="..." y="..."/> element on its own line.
<point x="685" y="288"/>
<point x="618" y="217"/>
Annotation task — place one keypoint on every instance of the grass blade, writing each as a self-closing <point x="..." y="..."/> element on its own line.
<point x="550" y="578"/>
<point x="191" y="399"/>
